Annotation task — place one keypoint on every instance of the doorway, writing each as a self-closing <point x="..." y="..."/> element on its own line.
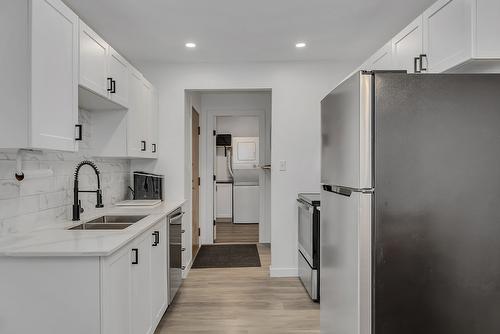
<point x="195" y="154"/>
<point x="237" y="167"/>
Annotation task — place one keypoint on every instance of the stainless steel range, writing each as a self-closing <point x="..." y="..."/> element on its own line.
<point x="308" y="243"/>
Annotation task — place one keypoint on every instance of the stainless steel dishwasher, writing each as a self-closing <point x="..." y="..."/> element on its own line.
<point x="175" y="251"/>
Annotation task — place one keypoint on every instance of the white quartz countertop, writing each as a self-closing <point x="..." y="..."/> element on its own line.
<point x="57" y="240"/>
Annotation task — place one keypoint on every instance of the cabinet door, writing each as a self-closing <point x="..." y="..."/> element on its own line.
<point x="408" y="45"/>
<point x="447" y="34"/>
<point x="116" y="293"/>
<point x="488" y="29"/>
<point x="154" y="121"/>
<point x="380" y="60"/>
<point x="141" y="285"/>
<point x="159" y="271"/>
<point x="93" y="61"/>
<point x="118" y="72"/>
<point x="54" y="69"/>
<point x="147" y="107"/>
<point x="224" y="200"/>
<point x="136" y="141"/>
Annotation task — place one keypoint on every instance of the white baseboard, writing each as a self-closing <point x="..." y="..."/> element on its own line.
<point x="283" y="272"/>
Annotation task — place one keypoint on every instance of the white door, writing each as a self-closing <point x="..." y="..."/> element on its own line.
<point x="380" y="60"/>
<point x="116" y="293"/>
<point x="93" y="61"/>
<point x="448" y="34"/>
<point x="54" y="68"/>
<point x="118" y="72"/>
<point x="136" y="142"/>
<point x="408" y="46"/>
<point x="141" y="285"/>
<point x="159" y="271"/>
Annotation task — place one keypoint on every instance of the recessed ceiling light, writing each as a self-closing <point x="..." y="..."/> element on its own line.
<point x="190" y="45"/>
<point x="300" y="45"/>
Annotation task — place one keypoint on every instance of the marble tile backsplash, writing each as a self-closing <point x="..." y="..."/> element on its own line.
<point x="35" y="202"/>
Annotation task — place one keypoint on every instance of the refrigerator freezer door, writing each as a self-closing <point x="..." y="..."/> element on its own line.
<point x="437" y="212"/>
<point x="345" y="280"/>
<point x="346" y="134"/>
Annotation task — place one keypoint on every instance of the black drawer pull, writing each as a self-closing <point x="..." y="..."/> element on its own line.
<point x="156" y="234"/>
<point x="136" y="256"/>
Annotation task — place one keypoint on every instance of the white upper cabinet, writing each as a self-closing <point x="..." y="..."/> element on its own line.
<point x="93" y="61"/>
<point x="380" y="60"/>
<point x="407" y="48"/>
<point x="136" y="123"/>
<point x="448" y="34"/>
<point x="103" y="71"/>
<point x="39" y="62"/>
<point x="487" y="32"/>
<point x="154" y="123"/>
<point x="118" y="73"/>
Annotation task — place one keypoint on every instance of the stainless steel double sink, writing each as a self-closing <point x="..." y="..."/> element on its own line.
<point x="108" y="223"/>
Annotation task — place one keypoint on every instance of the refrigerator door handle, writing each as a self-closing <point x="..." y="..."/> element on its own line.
<point x="346" y="191"/>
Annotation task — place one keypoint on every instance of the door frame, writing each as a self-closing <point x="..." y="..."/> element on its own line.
<point x="208" y="125"/>
<point x="195" y="223"/>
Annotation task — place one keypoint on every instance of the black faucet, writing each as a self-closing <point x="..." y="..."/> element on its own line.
<point x="77" y="204"/>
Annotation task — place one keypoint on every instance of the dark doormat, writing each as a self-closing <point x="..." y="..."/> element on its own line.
<point x="227" y="256"/>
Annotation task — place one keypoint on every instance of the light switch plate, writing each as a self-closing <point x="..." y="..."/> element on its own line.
<point x="283" y="165"/>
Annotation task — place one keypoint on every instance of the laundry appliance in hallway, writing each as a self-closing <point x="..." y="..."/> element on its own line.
<point x="409" y="207"/>
<point x="237" y="179"/>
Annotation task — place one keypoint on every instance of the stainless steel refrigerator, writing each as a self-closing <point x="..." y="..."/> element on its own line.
<point x="410" y="206"/>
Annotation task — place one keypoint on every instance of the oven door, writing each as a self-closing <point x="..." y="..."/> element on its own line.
<point x="306" y="231"/>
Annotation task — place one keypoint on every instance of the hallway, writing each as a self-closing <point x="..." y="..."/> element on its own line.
<point x="241" y="300"/>
<point x="227" y="232"/>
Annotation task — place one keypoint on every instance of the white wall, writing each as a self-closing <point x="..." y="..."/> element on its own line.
<point x="297" y="89"/>
<point x="239" y="126"/>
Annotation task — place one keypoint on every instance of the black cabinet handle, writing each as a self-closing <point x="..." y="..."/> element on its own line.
<point x="422" y="67"/>
<point x="156" y="234"/>
<point x="79" y="134"/>
<point x="416" y="67"/>
<point x="143" y="145"/>
<point x="183" y="249"/>
<point x="113" y="86"/>
<point x="154" y="148"/>
<point x="136" y="256"/>
<point x="110" y="84"/>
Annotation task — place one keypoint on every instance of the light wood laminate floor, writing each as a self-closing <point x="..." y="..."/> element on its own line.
<point x="228" y="232"/>
<point x="240" y="300"/>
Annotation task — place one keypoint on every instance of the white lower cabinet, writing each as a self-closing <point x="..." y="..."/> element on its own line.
<point x="141" y="285"/>
<point x="134" y="284"/>
<point x="159" y="297"/>
<point x="116" y="294"/>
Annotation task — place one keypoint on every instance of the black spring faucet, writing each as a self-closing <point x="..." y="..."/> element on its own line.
<point x="77" y="204"/>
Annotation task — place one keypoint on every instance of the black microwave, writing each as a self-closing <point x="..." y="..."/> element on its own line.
<point x="148" y="186"/>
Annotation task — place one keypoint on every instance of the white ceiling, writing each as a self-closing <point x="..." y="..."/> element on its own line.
<point x="247" y="31"/>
